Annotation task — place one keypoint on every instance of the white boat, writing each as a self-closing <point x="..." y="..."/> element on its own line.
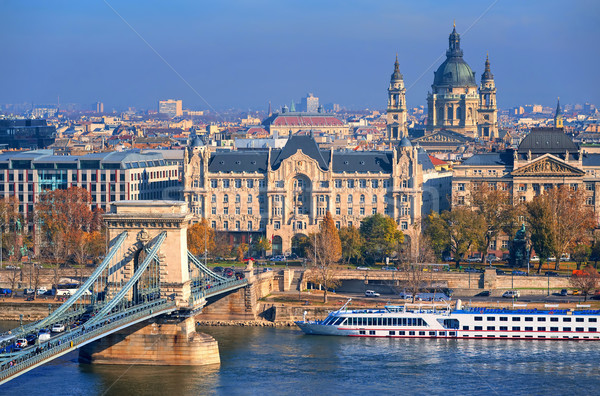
<point x="431" y="322"/>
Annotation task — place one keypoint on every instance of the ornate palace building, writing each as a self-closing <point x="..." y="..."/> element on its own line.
<point x="457" y="107"/>
<point x="284" y="193"/>
<point x="545" y="158"/>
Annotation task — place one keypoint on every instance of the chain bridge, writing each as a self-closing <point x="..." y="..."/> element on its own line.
<point x="146" y="290"/>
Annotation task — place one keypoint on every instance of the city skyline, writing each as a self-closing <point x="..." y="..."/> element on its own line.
<point x="216" y="56"/>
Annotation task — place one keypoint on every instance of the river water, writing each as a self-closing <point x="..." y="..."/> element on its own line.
<point x="283" y="361"/>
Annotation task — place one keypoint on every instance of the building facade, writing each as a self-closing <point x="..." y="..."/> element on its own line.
<point x="171" y="107"/>
<point x="456" y="103"/>
<point x="109" y="177"/>
<point x="285" y="193"/>
<point x="26" y="134"/>
<point x="287" y="123"/>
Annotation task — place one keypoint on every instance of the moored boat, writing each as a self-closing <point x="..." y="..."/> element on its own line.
<point x="434" y="322"/>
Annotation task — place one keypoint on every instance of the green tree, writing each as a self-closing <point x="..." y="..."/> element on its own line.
<point x="262" y="245"/>
<point x="381" y="237"/>
<point x="458" y="231"/>
<point x="352" y="243"/>
<point x="324" y="254"/>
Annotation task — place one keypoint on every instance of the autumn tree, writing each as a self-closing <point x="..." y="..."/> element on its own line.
<point x="352" y="243"/>
<point x="325" y="253"/>
<point x="586" y="280"/>
<point x="262" y="244"/>
<point x="64" y="215"/>
<point x="201" y="238"/>
<point x="580" y="254"/>
<point x="458" y="231"/>
<point x="559" y="219"/>
<point x="381" y="237"/>
<point x="241" y="250"/>
<point x="414" y="258"/>
<point x="497" y="211"/>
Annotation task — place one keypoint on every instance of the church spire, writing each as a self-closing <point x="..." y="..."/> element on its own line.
<point x="558" y="118"/>
<point x="487" y="74"/>
<point x="454" y="44"/>
<point x="396" y="75"/>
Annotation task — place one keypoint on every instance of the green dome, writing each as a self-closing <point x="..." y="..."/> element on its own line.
<point x="455" y="72"/>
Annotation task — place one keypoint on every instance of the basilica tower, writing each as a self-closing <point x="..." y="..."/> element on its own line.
<point x="453" y="101"/>
<point x="558" y="118"/>
<point x="396" y="108"/>
<point x="487" y="125"/>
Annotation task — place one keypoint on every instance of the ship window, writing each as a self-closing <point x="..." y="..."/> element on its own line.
<point x="566" y="319"/>
<point x="452" y="334"/>
<point x="432" y="333"/>
<point x="369" y="321"/>
<point x="392" y="332"/>
<point x="541" y="329"/>
<point x="578" y="319"/>
<point x="592" y="320"/>
<point x="503" y="328"/>
<point x="516" y="318"/>
<point x="579" y="329"/>
<point x="528" y="328"/>
<point x="478" y="327"/>
<point x="491" y="327"/>
<point x="411" y="333"/>
<point x="528" y="319"/>
<point x="401" y="332"/>
<point x="553" y="319"/>
<point x="566" y="329"/>
<point x="516" y="328"/>
<point x="491" y="318"/>
<point x="465" y="327"/>
<point x="421" y="333"/>
<point x="541" y="319"/>
<point x="478" y="318"/>
<point x="503" y="319"/>
<point x="362" y="332"/>
<point x="553" y="328"/>
<point x="592" y="329"/>
<point x="371" y="332"/>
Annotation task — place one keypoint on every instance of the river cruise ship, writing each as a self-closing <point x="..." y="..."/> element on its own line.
<point x="431" y="322"/>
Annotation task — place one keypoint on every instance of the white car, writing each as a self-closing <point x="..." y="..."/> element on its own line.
<point x="58" y="328"/>
<point x="371" y="293"/>
<point x="42" y="290"/>
<point x="405" y="296"/>
<point x="511" y="294"/>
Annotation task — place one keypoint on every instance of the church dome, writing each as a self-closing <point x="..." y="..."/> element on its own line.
<point x="405" y="142"/>
<point x="454" y="71"/>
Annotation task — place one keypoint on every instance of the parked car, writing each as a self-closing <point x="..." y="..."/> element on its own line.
<point x="576" y="292"/>
<point x="58" y="328"/>
<point x="491" y="258"/>
<point x="389" y="268"/>
<point x="362" y="268"/>
<point x="44" y="335"/>
<point x="511" y="294"/>
<point x="474" y="259"/>
<point x="485" y="293"/>
<point x="500" y="272"/>
<point x="551" y="273"/>
<point x="534" y="259"/>
<point x="228" y="272"/>
<point x="564" y="292"/>
<point x="41" y="290"/>
<point x="551" y="258"/>
<point x="5" y="291"/>
<point x="405" y="295"/>
<point x="471" y="269"/>
<point x="28" y="291"/>
<point x="519" y="273"/>
<point x="267" y="269"/>
<point x="371" y="293"/>
<point x="218" y="270"/>
<point x="21" y="343"/>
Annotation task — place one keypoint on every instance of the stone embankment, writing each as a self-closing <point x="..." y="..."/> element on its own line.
<point x="244" y="323"/>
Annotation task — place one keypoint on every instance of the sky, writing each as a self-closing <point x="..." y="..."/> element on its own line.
<point x="242" y="54"/>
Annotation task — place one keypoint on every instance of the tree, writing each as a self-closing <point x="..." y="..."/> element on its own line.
<point x="586" y="280"/>
<point x="540" y="228"/>
<point x="262" y="245"/>
<point x="352" y="243"/>
<point x="381" y="237"/>
<point x="458" y="231"/>
<point x="580" y="254"/>
<point x="497" y="210"/>
<point x="8" y="215"/>
<point x="241" y="250"/>
<point x="563" y="217"/>
<point x="413" y="261"/>
<point x="201" y="238"/>
<point x="325" y="253"/>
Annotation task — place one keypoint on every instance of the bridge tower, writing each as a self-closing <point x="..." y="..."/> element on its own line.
<point x="161" y="340"/>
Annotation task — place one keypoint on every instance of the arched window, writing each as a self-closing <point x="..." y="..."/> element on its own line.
<point x="450" y="113"/>
<point x="213" y="198"/>
<point x="249" y="198"/>
<point x="225" y="198"/>
<point x="459" y="115"/>
<point x="374" y="199"/>
<point x="362" y="198"/>
<point x="338" y="199"/>
<point x="237" y="198"/>
<point x="349" y="198"/>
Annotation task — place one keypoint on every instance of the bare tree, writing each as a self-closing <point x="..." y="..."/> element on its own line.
<point x="414" y="259"/>
<point x="13" y="278"/>
<point x="325" y="252"/>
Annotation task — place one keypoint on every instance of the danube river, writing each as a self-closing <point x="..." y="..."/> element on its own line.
<point x="283" y="361"/>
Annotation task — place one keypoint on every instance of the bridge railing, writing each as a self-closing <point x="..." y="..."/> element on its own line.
<point x="79" y="336"/>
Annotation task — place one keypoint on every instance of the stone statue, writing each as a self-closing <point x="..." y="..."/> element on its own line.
<point x="519" y="253"/>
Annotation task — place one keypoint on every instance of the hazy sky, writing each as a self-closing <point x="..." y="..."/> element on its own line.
<point x="241" y="54"/>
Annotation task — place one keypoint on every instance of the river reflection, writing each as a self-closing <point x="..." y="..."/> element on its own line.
<point x="283" y="361"/>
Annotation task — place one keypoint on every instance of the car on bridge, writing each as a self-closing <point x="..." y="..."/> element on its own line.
<point x="58" y="328"/>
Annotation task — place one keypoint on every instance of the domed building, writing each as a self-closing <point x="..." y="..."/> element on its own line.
<point x="456" y="103"/>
